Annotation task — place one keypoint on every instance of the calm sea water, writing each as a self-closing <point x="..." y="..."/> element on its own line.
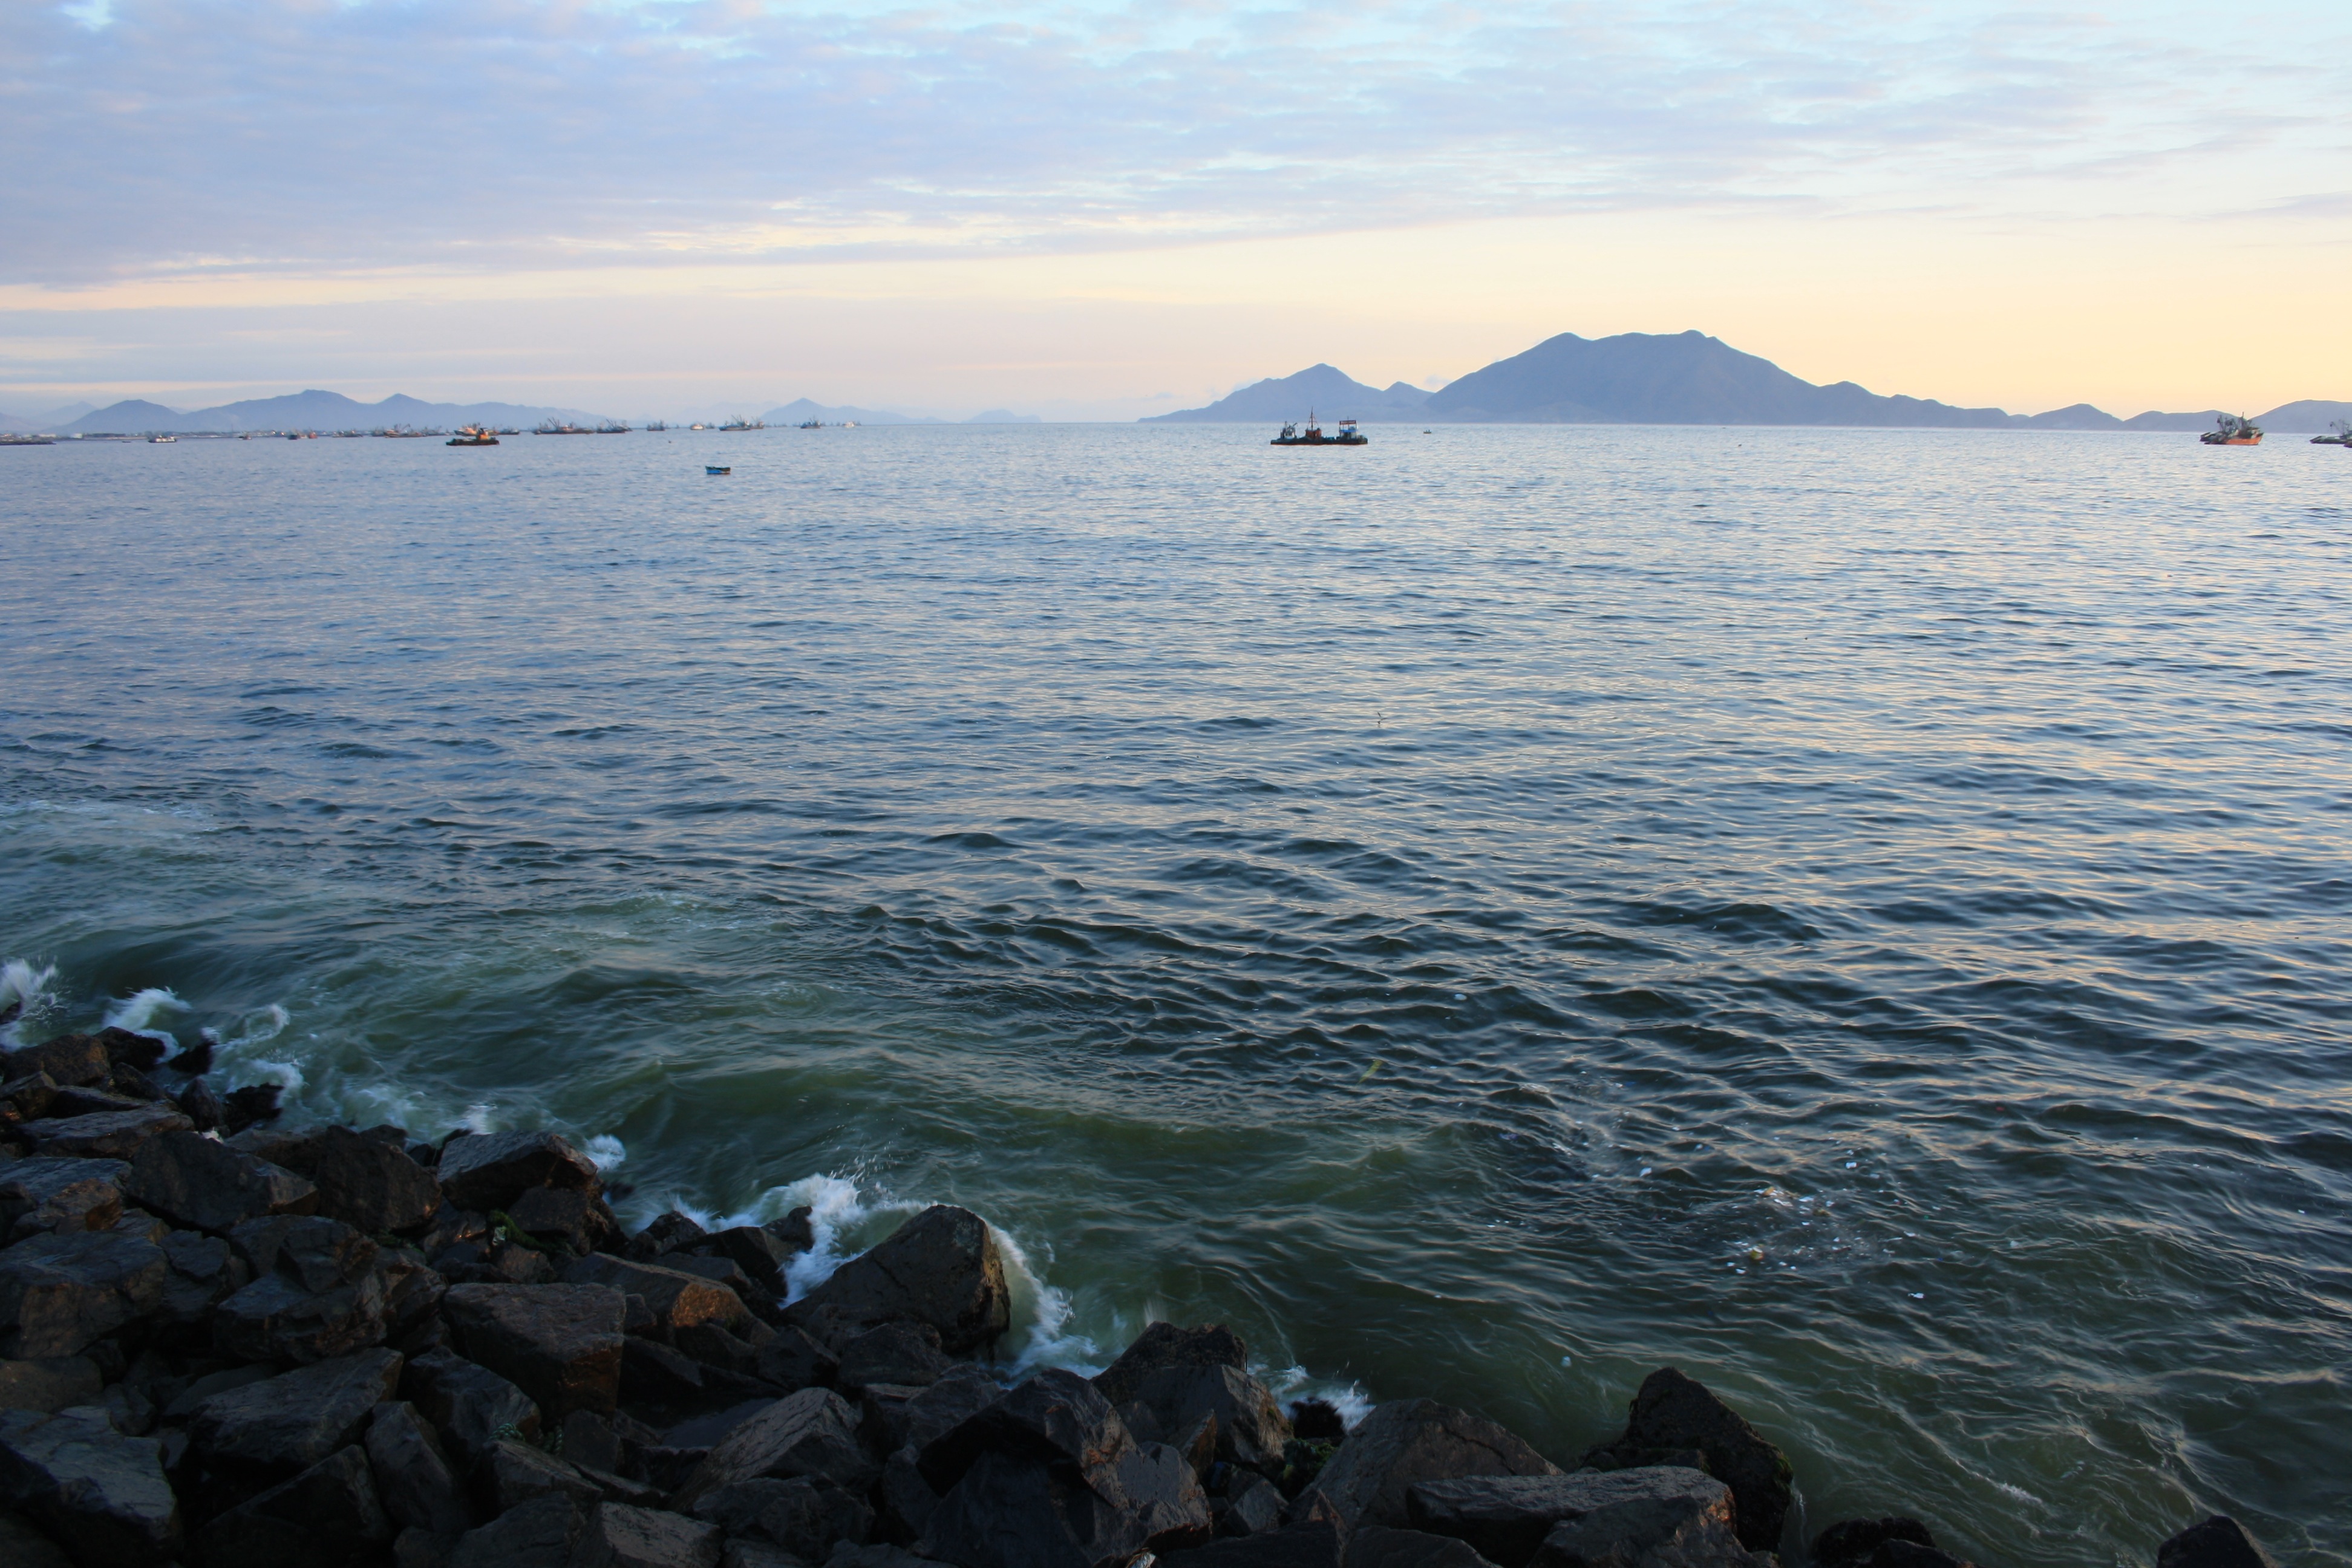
<point x="1860" y="916"/>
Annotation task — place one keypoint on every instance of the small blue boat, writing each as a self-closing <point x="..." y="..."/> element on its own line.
<point x="714" y="468"/>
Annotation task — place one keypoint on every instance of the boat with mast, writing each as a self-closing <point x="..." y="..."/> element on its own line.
<point x="2233" y="430"/>
<point x="1292" y="435"/>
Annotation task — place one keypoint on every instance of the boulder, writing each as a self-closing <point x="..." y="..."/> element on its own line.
<point x="792" y="1361"/>
<point x="1165" y="1345"/>
<point x="59" y="1193"/>
<point x="2219" y="1541"/>
<point x="469" y="1406"/>
<point x="313" y="1250"/>
<point x="48" y="1385"/>
<point x="748" y="1553"/>
<point x="933" y="1412"/>
<point x="760" y="1252"/>
<point x="67" y="1058"/>
<point x="812" y="1433"/>
<point x="250" y="1104"/>
<point x="200" y="1105"/>
<point x="1404" y="1443"/>
<point x="126" y="1048"/>
<point x="278" y="1317"/>
<point x="807" y="1516"/>
<point x="290" y="1422"/>
<point x="1250" y="1430"/>
<point x="1253" y="1505"/>
<point x="370" y="1183"/>
<point x="199" y="1184"/>
<point x="490" y="1170"/>
<point x="101" y="1495"/>
<point x="1315" y="1543"/>
<point x="22" y="1546"/>
<point x="1852" y="1543"/>
<point x="942" y="1268"/>
<point x="539" y="1535"/>
<point x="62" y="1291"/>
<point x="676" y="1300"/>
<point x="1508" y="1518"/>
<point x="880" y="1556"/>
<point x="558" y="1343"/>
<point x="714" y="1346"/>
<point x="204" y="1272"/>
<point x="575" y="1219"/>
<point x="1056" y="1417"/>
<point x="723" y="1270"/>
<point x="512" y="1473"/>
<point x="1673" y="1414"/>
<point x="667" y="1234"/>
<point x="68" y="1102"/>
<point x="1663" y="1531"/>
<point x="1015" y="1510"/>
<point x="412" y="1291"/>
<point x="1376" y="1546"/>
<point x="904" y="1501"/>
<point x="907" y="1354"/>
<point x="621" y="1537"/>
<point x="413" y="1479"/>
<point x="26" y="1099"/>
<point x="110" y="1134"/>
<point x="327" y="1517"/>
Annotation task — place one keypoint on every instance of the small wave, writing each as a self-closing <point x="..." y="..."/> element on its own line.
<point x="1294" y="1382"/>
<point x="253" y="1028"/>
<point x="24" y="996"/>
<point x="606" y="1151"/>
<point x="138" y="1011"/>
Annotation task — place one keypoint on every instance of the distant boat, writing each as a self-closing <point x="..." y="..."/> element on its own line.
<point x="1313" y="434"/>
<point x="163" y="440"/>
<point x="656" y="425"/>
<point x="472" y="436"/>
<point x="28" y="440"/>
<point x="560" y="427"/>
<point x="2233" y="430"/>
<point x="2343" y="437"/>
<point x="744" y="425"/>
<point x="612" y="428"/>
<point x="714" y="468"/>
<point x="810" y="425"/>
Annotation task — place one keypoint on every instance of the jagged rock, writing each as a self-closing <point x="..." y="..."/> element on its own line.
<point x="2219" y="1541"/>
<point x="490" y="1170"/>
<point x="578" y="1220"/>
<point x="26" y="1099"/>
<point x="413" y="1479"/>
<point x="907" y="1354"/>
<point x="1056" y="1417"/>
<point x="48" y="1385"/>
<point x="1316" y="1421"/>
<point x="812" y="1433"/>
<point x="1508" y="1518"/>
<point x="315" y="1293"/>
<point x="792" y="1361"/>
<point x="1404" y="1443"/>
<point x="67" y="1058"/>
<point x="558" y="1343"/>
<point x="1671" y="1414"/>
<point x="199" y="1058"/>
<point x="102" y="1496"/>
<point x="592" y="1442"/>
<point x="877" y="1556"/>
<point x="412" y="1291"/>
<point x="1165" y="1345"/>
<point x="1376" y="1546"/>
<point x="295" y="1148"/>
<point x="110" y="1134"/>
<point x="184" y="1404"/>
<point x="714" y="1346"/>
<point x="1160" y="1493"/>
<point x="667" y="1233"/>
<point x="494" y="1261"/>
<point x="942" y="1268"/>
<point x="313" y="1250"/>
<point x="1250" y="1429"/>
<point x="904" y="1501"/>
<point x="22" y="1546"/>
<point x="512" y="1473"/>
<point x="747" y="1553"/>
<point x="760" y="1252"/>
<point x="470" y="1408"/>
<point x="1252" y="1506"/>
<point x="1850" y="1544"/>
<point x="252" y="1103"/>
<point x="920" y="1417"/>
<point x="677" y="1298"/>
<point x="1314" y="1543"/>
<point x="204" y="1272"/>
<point x="807" y="1516"/>
<point x="60" y="1292"/>
<point x="62" y="1194"/>
<point x="327" y="1517"/>
<point x="621" y="1537"/>
<point x="721" y="1269"/>
<point x="287" y="1423"/>
<point x="539" y="1535"/>
<point x="413" y="1548"/>
<point x="371" y="1185"/>
<point x="131" y="1084"/>
<point x="126" y="1048"/>
<point x="76" y="1102"/>
<point x="796" y="1230"/>
<point x="200" y="1105"/>
<point x="201" y="1185"/>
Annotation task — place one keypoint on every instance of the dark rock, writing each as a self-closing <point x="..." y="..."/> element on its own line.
<point x="76" y="1102"/>
<point x="1253" y="1505"/>
<point x="1904" y="1554"/>
<point x="413" y="1548"/>
<point x="558" y="1343"/>
<point x="1160" y="1493"/>
<point x="667" y="1234"/>
<point x="904" y="1501"/>
<point x="22" y="1546"/>
<point x="1165" y="1345"/>
<point x="745" y="1553"/>
<point x="413" y="1479"/>
<point x="295" y="1148"/>
<point x="205" y="1272"/>
<point x="807" y="1516"/>
<point x="812" y="1433"/>
<point x="1250" y="1426"/>
<point x="67" y="1058"/>
<point x="1670" y="1413"/>
<point x="714" y="1346"/>
<point x="310" y="1250"/>
<point x="370" y="1185"/>
<point x="566" y="1216"/>
<point x="1056" y="1417"/>
<point x="200" y="1184"/>
<point x="249" y="1105"/>
<point x="490" y="1170"/>
<point x="796" y="1231"/>
<point x="287" y="1423"/>
<point x="902" y="1353"/>
<point x="197" y="1059"/>
<point x="1376" y="1546"/>
<point x="327" y="1517"/>
<point x="1320" y="1543"/>
<point x="876" y="1556"/>
<point x="315" y="1294"/>
<point x="495" y="1262"/>
<point x="61" y="1292"/>
<point x="184" y="1404"/>
<point x="132" y="1084"/>
<point x="759" y="1252"/>
<point x="1317" y="1421"/>
<point x="124" y="1047"/>
<point x="62" y="1194"/>
<point x="512" y="1473"/>
<point x="1404" y="1443"/>
<point x="675" y="1297"/>
<point x="28" y="1098"/>
<point x="412" y="1291"/>
<point x="1850" y="1542"/>
<point x="101" y="1495"/>
<point x="592" y="1442"/>
<point x="722" y="1270"/>
<point x="2219" y="1541"/>
<point x="469" y="1406"/>
<point x="942" y="1268"/>
<point x="792" y="1361"/>
<point x="201" y="1106"/>
<point x="1508" y="1518"/>
<point x="111" y="1134"/>
<point x="622" y="1537"/>
<point x="1015" y="1510"/>
<point x="539" y="1535"/>
<point x="706" y="1430"/>
<point x="48" y="1385"/>
<point x="954" y="1399"/>
<point x="450" y="1225"/>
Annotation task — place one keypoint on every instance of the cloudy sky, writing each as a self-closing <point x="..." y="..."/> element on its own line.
<point x="1110" y="209"/>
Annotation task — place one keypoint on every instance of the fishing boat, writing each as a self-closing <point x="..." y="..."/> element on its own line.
<point x="163" y="440"/>
<point x="560" y="427"/>
<point x="714" y="468"/>
<point x="2342" y="435"/>
<point x="472" y="436"/>
<point x="2233" y="430"/>
<point x="1292" y="435"/>
<point x="28" y="440"/>
<point x="744" y="425"/>
<point x="810" y="425"/>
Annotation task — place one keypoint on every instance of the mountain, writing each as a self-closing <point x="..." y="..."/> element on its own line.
<point x="56" y="419"/>
<point x="313" y="411"/>
<point x="1004" y="417"/>
<point x="131" y="416"/>
<point x="1318" y="389"/>
<point x="799" y="410"/>
<point x="2309" y="418"/>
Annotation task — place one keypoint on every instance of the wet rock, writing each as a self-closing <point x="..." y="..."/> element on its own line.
<point x="204" y="1272"/>
<point x="470" y="1408"/>
<point x="48" y="1385"/>
<point x="1404" y="1443"/>
<point x="371" y="1185"/>
<point x="792" y="1361"/>
<point x="558" y="1343"/>
<point x="812" y="1433"/>
<point x="907" y="1354"/>
<point x="904" y="1501"/>
<point x="281" y="1316"/>
<point x="67" y="1059"/>
<point x="2219" y="1541"/>
<point x="101" y="1495"/>
<point x="127" y="1048"/>
<point x="490" y="1170"/>
<point x="61" y="1292"/>
<point x="667" y="1234"/>
<point x="412" y="1291"/>
<point x="108" y="1134"/>
<point x="621" y="1537"/>
<point x="287" y="1423"/>
<point x="200" y="1105"/>
<point x="74" y="1102"/>
<point x="327" y="1517"/>
<point x="796" y="1230"/>
<point x="198" y="1183"/>
<point x="413" y="1477"/>
<point x="714" y="1346"/>
<point x="1165" y="1345"/>
<point x="52" y="1195"/>
<point x="22" y="1546"/>
<point x="745" y="1553"/>
<point x="567" y="1217"/>
<point x="1250" y="1427"/>
<point x="1253" y="1505"/>
<point x="1853" y="1542"/>
<point x="677" y="1298"/>
<point x="295" y="1148"/>
<point x="759" y="1252"/>
<point x="806" y="1516"/>
<point x="592" y="1442"/>
<point x="249" y="1105"/>
<point x="942" y="1268"/>
<point x="196" y="1059"/>
<point x="512" y="1473"/>
<point x="28" y="1098"/>
<point x="1508" y="1518"/>
<point x="539" y="1535"/>
<point x="1673" y="1414"/>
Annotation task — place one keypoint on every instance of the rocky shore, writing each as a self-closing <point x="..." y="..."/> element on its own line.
<point x="231" y="1344"/>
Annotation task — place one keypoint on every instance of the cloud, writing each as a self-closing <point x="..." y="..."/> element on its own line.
<point x="306" y="136"/>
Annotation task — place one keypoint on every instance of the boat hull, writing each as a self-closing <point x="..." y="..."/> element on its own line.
<point x="1319" y="441"/>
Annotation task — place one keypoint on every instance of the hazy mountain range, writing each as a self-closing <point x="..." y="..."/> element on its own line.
<point x="1688" y="378"/>
<point x="333" y="411"/>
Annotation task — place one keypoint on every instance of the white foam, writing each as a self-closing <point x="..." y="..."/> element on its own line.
<point x="1047" y="1312"/>
<point x="606" y="1151"/>
<point x="24" y="996"/>
<point x="1294" y="1382"/>
<point x="259" y="1024"/>
<point x="137" y="1013"/>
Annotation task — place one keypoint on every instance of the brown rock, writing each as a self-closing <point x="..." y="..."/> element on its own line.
<point x="942" y="1268"/>
<point x="201" y="1185"/>
<point x="490" y="1170"/>
<point x="1162" y="1345"/>
<point x="59" y="1193"/>
<point x="558" y="1343"/>
<point x="677" y="1298"/>
<point x="60" y="1292"/>
<point x="370" y="1183"/>
<point x="67" y="1058"/>
<point x="114" y="1134"/>
<point x="1404" y="1443"/>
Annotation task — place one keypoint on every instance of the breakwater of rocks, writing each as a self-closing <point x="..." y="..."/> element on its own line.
<point x="232" y="1344"/>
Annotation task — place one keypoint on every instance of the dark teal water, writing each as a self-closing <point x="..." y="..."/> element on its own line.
<point x="1860" y="915"/>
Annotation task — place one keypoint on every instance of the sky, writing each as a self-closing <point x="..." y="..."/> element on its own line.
<point x="1106" y="210"/>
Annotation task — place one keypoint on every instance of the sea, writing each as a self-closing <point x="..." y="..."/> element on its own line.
<point x="1863" y="917"/>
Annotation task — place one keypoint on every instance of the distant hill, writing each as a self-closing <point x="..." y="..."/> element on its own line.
<point x="313" y="411"/>
<point x="130" y="417"/>
<point x="1004" y="417"/>
<point x="1318" y="389"/>
<point x="2308" y="417"/>
<point x="799" y="410"/>
<point x="56" y="419"/>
